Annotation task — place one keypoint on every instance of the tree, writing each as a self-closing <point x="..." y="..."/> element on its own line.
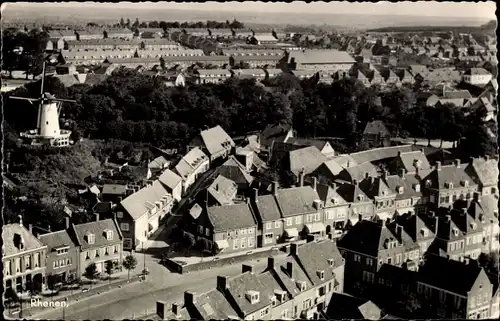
<point x="489" y="262"/>
<point x="127" y="24"/>
<point x="51" y="282"/>
<point x="129" y="263"/>
<point x="122" y="22"/>
<point x="109" y="269"/>
<point x="136" y="24"/>
<point x="91" y="272"/>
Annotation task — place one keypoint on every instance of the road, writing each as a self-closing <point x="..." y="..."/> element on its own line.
<point x="138" y="300"/>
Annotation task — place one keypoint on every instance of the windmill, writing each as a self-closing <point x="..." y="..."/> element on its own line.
<point x="48" y="131"/>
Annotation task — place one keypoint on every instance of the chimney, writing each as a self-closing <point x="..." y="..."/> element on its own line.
<point x="399" y="154"/>
<point x="438" y="166"/>
<point x="466" y="261"/>
<point x="275" y="188"/>
<point x="294" y="249"/>
<point x="270" y="263"/>
<point x="20" y="220"/>
<point x="189" y="298"/>
<point x="487" y="157"/>
<point x="175" y="309"/>
<point x="289" y="269"/>
<point x="384" y="175"/>
<point x="422" y="150"/>
<point x="246" y="268"/>
<point x="96" y="217"/>
<point x="67" y="222"/>
<point x="160" y="309"/>
<point x="330" y="236"/>
<point x="120" y="199"/>
<point x="367" y="175"/>
<point x="360" y="217"/>
<point x="255" y="194"/>
<point x="334" y="186"/>
<point x="436" y="224"/>
<point x="402" y="172"/>
<point x="48" y="228"/>
<point x="315" y="183"/>
<point x="448" y="218"/>
<point x="457" y="163"/>
<point x="310" y="238"/>
<point x="354" y="182"/>
<point x="30" y="227"/>
<point x="301" y="178"/>
<point x="222" y="283"/>
<point x="399" y="231"/>
<point x="248" y="200"/>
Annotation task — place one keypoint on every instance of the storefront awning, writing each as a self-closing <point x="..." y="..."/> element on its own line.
<point x="315" y="227"/>
<point x="291" y="232"/>
<point x="222" y="244"/>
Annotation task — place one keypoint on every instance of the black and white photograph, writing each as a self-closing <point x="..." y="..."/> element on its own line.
<point x="250" y="160"/>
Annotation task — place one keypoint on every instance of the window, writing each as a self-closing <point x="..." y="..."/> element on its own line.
<point x="369" y="262"/>
<point x="442" y="296"/>
<point x="250" y="230"/>
<point x="368" y="277"/>
<point x="109" y="235"/>
<point x="268" y="238"/>
<point x="62" y="251"/>
<point x="264" y="312"/>
<point x="243" y="243"/>
<point x="96" y="253"/>
<point x="91" y="238"/>
<point x="106" y="252"/>
<point x="277" y="224"/>
<point x="389" y="260"/>
<point x="87" y="255"/>
<point x="357" y="258"/>
<point x="289" y="221"/>
<point x="207" y="232"/>
<point x="127" y="243"/>
<point x="200" y="229"/>
<point x="317" y="217"/>
<point x="269" y="225"/>
<point x="124" y="227"/>
<point x="309" y="218"/>
<point x="236" y="244"/>
<point x="250" y="242"/>
<point x="243" y="231"/>
<point x="298" y="220"/>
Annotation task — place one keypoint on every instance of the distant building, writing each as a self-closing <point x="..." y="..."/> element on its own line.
<point x="376" y="135"/>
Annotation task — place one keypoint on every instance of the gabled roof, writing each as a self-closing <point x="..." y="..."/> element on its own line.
<point x="216" y="139"/>
<point x="296" y="200"/>
<point x="443" y="274"/>
<point x="414" y="226"/>
<point x="345" y="306"/>
<point x="267" y="209"/>
<point x="306" y="159"/>
<point x="376" y="127"/>
<point x="56" y="239"/>
<point x="376" y="187"/>
<point x="329" y="195"/>
<point x="97" y="228"/>
<point x="328" y="56"/>
<point x="214" y="306"/>
<point x="232" y="169"/>
<point x="9" y="233"/>
<point x="358" y="173"/>
<point x="319" y="144"/>
<point x="140" y="202"/>
<point x="223" y="190"/>
<point x="410" y="160"/>
<point x="229" y="217"/>
<point x="314" y="256"/>
<point x="476" y="72"/>
<point x="169" y="179"/>
<point x="483" y="171"/>
<point x="276" y="132"/>
<point x="114" y="189"/>
<point x="351" y="193"/>
<point x="190" y="162"/>
<point x="448" y="174"/>
<point x="367" y="237"/>
<point x="463" y="94"/>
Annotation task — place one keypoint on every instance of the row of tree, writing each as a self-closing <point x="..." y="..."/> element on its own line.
<point x="235" y="24"/>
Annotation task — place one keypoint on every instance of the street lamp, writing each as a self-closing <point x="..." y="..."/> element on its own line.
<point x="64" y="308"/>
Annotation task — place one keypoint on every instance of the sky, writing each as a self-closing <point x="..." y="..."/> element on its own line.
<point x="485" y="9"/>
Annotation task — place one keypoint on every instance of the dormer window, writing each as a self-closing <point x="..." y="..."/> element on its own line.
<point x="416" y="187"/>
<point x="360" y="197"/>
<point x="109" y="235"/>
<point x="331" y="262"/>
<point x="465" y="183"/>
<point x="424" y="232"/>
<point x="455" y="232"/>
<point x="273" y="301"/>
<point x="279" y="295"/>
<point x="90" y="238"/>
<point x="473" y="226"/>
<point x="400" y="189"/>
<point x="428" y="183"/>
<point x="301" y="285"/>
<point x="448" y="185"/>
<point x="253" y="296"/>
<point x="321" y="274"/>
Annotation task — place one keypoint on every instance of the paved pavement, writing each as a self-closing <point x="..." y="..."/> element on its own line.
<point x="140" y="299"/>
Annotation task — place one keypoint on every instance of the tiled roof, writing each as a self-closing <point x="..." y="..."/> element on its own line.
<point x="448" y="174"/>
<point x="410" y="159"/>
<point x="223" y="190"/>
<point x="376" y="127"/>
<point x="169" y="179"/>
<point x="10" y="239"/>
<point x="232" y="169"/>
<point x="68" y="80"/>
<point x="307" y="159"/>
<point x="443" y="274"/>
<point x="262" y="37"/>
<point x="319" y="144"/>
<point x="346" y="161"/>
<point x="314" y="256"/>
<point x="367" y="237"/>
<point x="272" y="133"/>
<point x="211" y="72"/>
<point x="376" y="187"/>
<point x="142" y="201"/>
<point x="328" y="194"/>
<point x="333" y="166"/>
<point x="56" y="239"/>
<point x="414" y="226"/>
<point x="192" y="160"/>
<point x="464" y="94"/>
<point x="214" y="306"/>
<point x="345" y="306"/>
<point x="267" y="208"/>
<point x="476" y="71"/>
<point x="394" y="182"/>
<point x="97" y="228"/>
<point x="351" y="193"/>
<point x="215" y="138"/>
<point x="378" y="154"/>
<point x="358" y="173"/>
<point x="483" y="171"/>
<point x="228" y="217"/>
<point x="296" y="200"/>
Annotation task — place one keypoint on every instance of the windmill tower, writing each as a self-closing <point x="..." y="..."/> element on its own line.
<point x="48" y="131"/>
